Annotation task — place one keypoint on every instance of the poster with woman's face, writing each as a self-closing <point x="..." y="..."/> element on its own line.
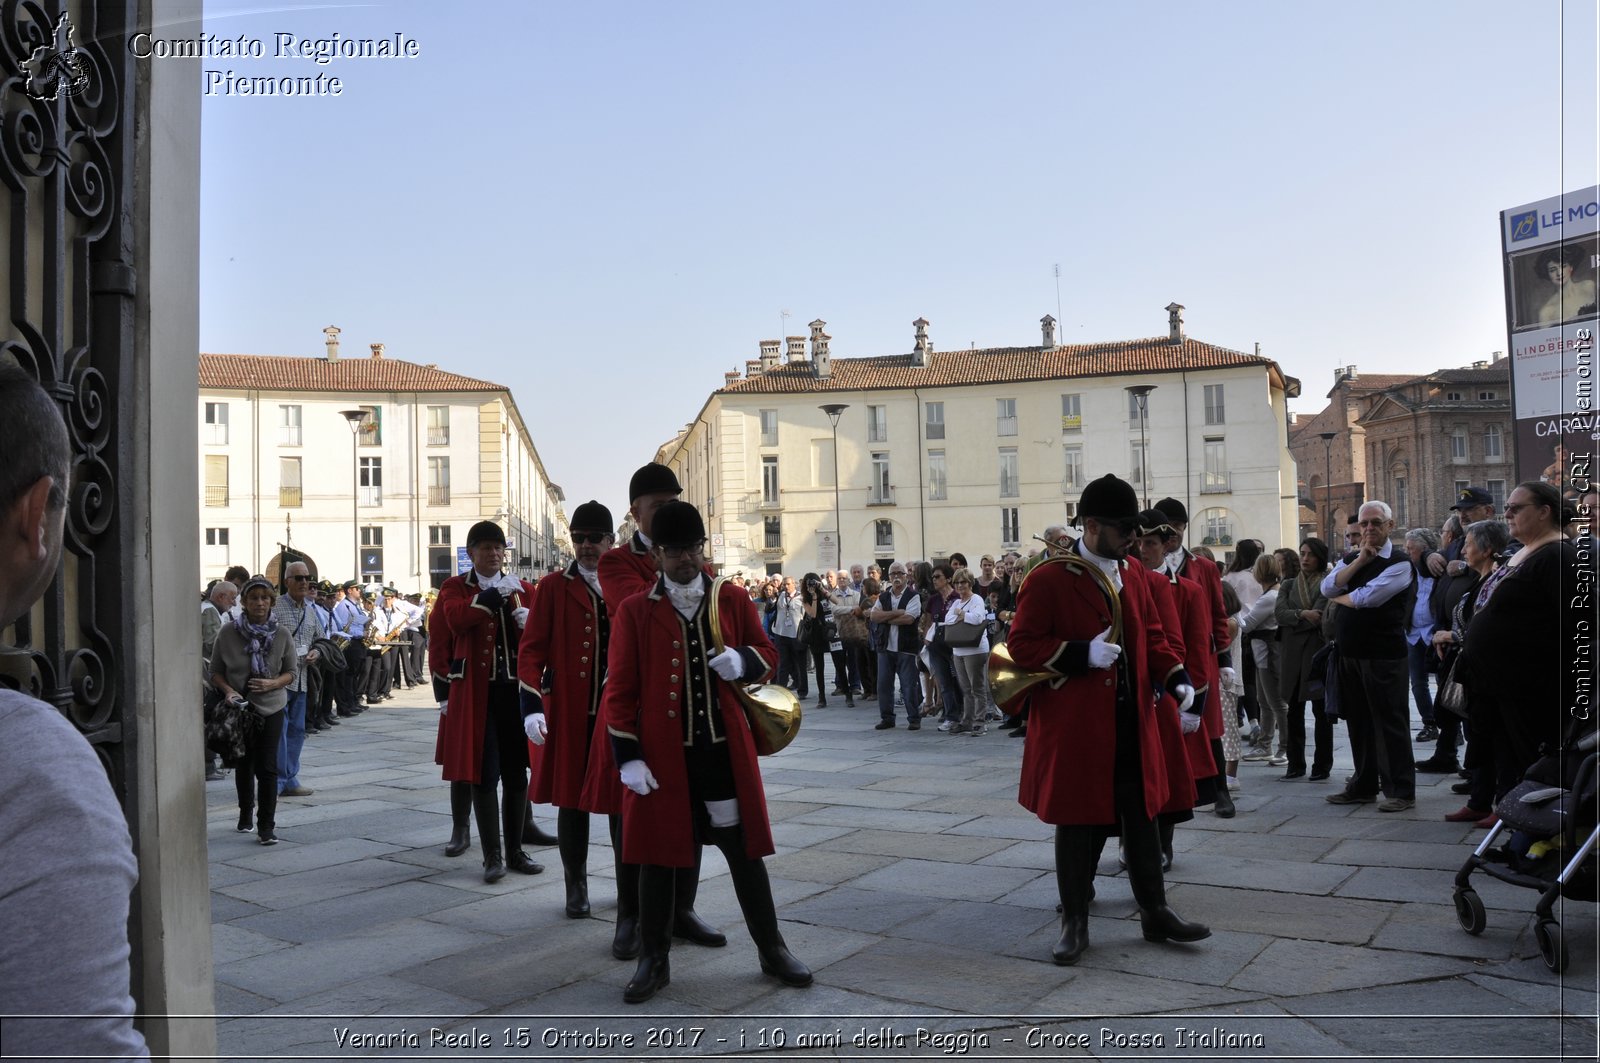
<point x="1555" y="284"/>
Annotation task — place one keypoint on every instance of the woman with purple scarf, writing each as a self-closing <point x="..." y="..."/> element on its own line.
<point x="252" y="664"/>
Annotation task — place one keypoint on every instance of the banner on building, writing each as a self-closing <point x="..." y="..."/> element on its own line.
<point x="1552" y="265"/>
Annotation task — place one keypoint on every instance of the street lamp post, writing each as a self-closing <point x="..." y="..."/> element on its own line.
<point x="1141" y="395"/>
<point x="1327" y="466"/>
<point x="355" y="418"/>
<point x="833" y="410"/>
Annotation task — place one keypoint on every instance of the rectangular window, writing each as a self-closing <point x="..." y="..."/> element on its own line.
<point x="1458" y="444"/>
<point x="1493" y="448"/>
<point x="438" y="426"/>
<point x="881" y="492"/>
<point x="1071" y="413"/>
<point x="1400" y="502"/>
<point x="289" y="483"/>
<point x="883" y="534"/>
<point x="216" y="536"/>
<point x="772" y="533"/>
<point x="769" y="480"/>
<point x="1214" y="411"/>
<point x="441" y="565"/>
<point x="438" y="481"/>
<point x="1073" y="478"/>
<point x="289" y="426"/>
<point x="1133" y="410"/>
<point x="1010" y="528"/>
<point x="216" y="433"/>
<point x="769" y="428"/>
<point x="1497" y="491"/>
<point x="371" y="482"/>
<point x="1218" y="528"/>
<point x="371" y="554"/>
<point x="1009" y="488"/>
<point x="937" y="485"/>
<point x="438" y="535"/>
<point x="1488" y="396"/>
<point x="1005" y="417"/>
<point x="1452" y="396"/>
<point x="1215" y="477"/>
<point x="1136" y="462"/>
<point x="216" y="479"/>
<point x="877" y="424"/>
<point x="822" y="463"/>
<point x="1462" y="485"/>
<point x="371" y="433"/>
<point x="934" y="423"/>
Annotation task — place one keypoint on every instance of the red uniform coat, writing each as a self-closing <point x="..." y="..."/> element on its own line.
<point x="1067" y="762"/>
<point x="563" y="636"/>
<point x="472" y="630"/>
<point x="1209" y="577"/>
<point x="439" y="670"/>
<point x="1178" y="748"/>
<point x="646" y="693"/>
<point x="626" y="570"/>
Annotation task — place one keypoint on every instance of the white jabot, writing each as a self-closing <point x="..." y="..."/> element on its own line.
<point x="643" y="538"/>
<point x="591" y="577"/>
<point x="1112" y="570"/>
<point x="1173" y="562"/>
<point x="685" y="597"/>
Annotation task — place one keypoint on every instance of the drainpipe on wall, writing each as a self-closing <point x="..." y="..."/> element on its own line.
<point x="922" y="515"/>
<point x="1187" y="471"/>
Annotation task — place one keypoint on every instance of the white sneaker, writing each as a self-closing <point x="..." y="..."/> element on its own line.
<point x="1278" y="760"/>
<point x="945" y="726"/>
<point x="1233" y="784"/>
<point x="1258" y="754"/>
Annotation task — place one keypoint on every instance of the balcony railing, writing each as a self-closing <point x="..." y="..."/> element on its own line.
<point x="438" y="437"/>
<point x="438" y="496"/>
<point x="289" y="435"/>
<point x="881" y="496"/>
<point x="216" y="494"/>
<point x="1071" y="485"/>
<point x="770" y="503"/>
<point x="771" y="549"/>
<point x="371" y="496"/>
<point x="1216" y="483"/>
<point x="289" y="498"/>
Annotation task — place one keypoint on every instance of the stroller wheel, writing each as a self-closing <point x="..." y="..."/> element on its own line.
<point x="1551" y="948"/>
<point x="1469" y="912"/>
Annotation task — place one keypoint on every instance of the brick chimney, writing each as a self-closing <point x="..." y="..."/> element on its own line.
<point x="730" y="378"/>
<point x="820" y="360"/>
<point x="331" y="338"/>
<point x="797" y="349"/>
<point x="1048" y="325"/>
<point x="752" y="368"/>
<point x="377" y="350"/>
<point x="921" y="347"/>
<point x="1174" y="323"/>
<point x="769" y="355"/>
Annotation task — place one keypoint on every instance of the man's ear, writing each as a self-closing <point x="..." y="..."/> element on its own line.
<point x="29" y="518"/>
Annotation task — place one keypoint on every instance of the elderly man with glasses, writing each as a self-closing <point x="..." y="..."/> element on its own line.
<point x="297" y="615"/>
<point x="897" y="610"/>
<point x="1376" y="585"/>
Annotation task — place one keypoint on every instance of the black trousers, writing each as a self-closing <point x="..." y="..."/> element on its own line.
<point x="1321" y="742"/>
<point x="1372" y="699"/>
<point x="505" y="743"/>
<point x="260" y="769"/>
<point x="349" y="686"/>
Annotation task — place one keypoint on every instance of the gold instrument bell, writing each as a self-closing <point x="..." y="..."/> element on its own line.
<point x="1007" y="680"/>
<point x="773" y="711"/>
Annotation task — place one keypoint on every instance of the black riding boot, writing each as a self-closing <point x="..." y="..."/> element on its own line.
<point x="1224" y="804"/>
<point x="1166" y="826"/>
<point x="516" y="814"/>
<point x="686" y="923"/>
<point x="460" y="819"/>
<point x="655" y="933"/>
<point x="572" y="833"/>
<point x="625" y="939"/>
<point x="1077" y="852"/>
<point x="754" y="890"/>
<point x="1142" y="842"/>
<point x="533" y="834"/>
<point x="487" y="811"/>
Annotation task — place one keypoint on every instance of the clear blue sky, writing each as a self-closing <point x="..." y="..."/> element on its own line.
<point x="605" y="206"/>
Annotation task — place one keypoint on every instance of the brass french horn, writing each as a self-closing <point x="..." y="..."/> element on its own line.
<point x="1007" y="680"/>
<point x="773" y="711"/>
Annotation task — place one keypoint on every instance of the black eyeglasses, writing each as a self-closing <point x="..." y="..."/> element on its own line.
<point x="297" y="577"/>
<point x="579" y="538"/>
<point x="676" y="552"/>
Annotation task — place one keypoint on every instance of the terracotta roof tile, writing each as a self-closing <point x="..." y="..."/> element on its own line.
<point x="266" y="372"/>
<point x="997" y="365"/>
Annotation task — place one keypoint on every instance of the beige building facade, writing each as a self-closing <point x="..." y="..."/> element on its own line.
<point x="979" y="450"/>
<point x="282" y="468"/>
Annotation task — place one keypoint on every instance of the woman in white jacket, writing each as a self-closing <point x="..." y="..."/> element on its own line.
<point x="1261" y="620"/>
<point x="971" y="662"/>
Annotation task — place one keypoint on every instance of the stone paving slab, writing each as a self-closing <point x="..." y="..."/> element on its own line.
<point x="946" y="880"/>
<point x="325" y="919"/>
<point x="1303" y="968"/>
<point x="1086" y="991"/>
<point x="817" y="865"/>
<point x="891" y="843"/>
<point x="866" y="910"/>
<point x="1287" y="876"/>
<point x="303" y="887"/>
<point x="287" y="859"/>
<point x="1366" y="852"/>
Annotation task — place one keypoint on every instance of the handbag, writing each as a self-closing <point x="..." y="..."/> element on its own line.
<point x="229" y="727"/>
<point x="1452" y="696"/>
<point x="962" y="635"/>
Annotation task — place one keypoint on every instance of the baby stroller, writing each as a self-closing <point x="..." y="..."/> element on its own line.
<point x="1550" y="822"/>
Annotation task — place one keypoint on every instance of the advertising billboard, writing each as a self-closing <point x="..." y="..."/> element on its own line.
<point x="1552" y="263"/>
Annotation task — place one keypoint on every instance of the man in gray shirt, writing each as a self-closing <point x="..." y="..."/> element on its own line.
<point x="66" y="861"/>
<point x="297" y="617"/>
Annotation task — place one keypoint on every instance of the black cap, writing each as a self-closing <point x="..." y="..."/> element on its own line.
<point x="652" y="479"/>
<point x="1473" y="496"/>
<point x="1153" y="522"/>
<point x="1109" y="498"/>
<point x="1174" y="510"/>
<point x="591" y="516"/>
<point x="485" y="531"/>
<point x="677" y="524"/>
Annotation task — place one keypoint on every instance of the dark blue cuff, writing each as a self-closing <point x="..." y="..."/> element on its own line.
<point x="626" y="749"/>
<point x="441" y="689"/>
<point x="531" y="702"/>
<point x="1199" y="706"/>
<point x="490" y="599"/>
<point x="756" y="669"/>
<point x="1074" y="657"/>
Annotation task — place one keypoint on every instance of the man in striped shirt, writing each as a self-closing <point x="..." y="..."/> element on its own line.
<point x="296" y="615"/>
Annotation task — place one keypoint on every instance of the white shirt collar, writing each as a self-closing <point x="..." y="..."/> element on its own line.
<point x="1111" y="568"/>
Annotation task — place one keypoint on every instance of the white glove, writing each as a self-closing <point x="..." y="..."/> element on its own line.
<point x="444" y="707"/>
<point x="534" y="725"/>
<point x="636" y="777"/>
<point x="1189" y="722"/>
<point x="728" y="664"/>
<point x="1229" y="677"/>
<point x="1103" y="654"/>
<point x="509" y="584"/>
<point x="1185" y="695"/>
<point x="520" y="614"/>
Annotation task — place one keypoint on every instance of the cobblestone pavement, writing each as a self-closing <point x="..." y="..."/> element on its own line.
<point x="921" y="895"/>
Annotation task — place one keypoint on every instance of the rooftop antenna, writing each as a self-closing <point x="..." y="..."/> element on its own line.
<point x="1058" y="293"/>
<point x="783" y="326"/>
